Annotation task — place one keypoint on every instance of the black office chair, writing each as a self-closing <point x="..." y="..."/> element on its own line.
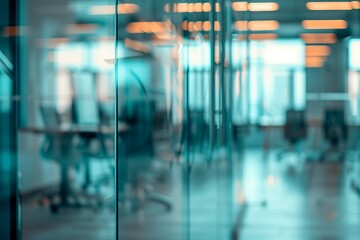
<point x="335" y="132"/>
<point x="61" y="148"/>
<point x="196" y="127"/>
<point x="137" y="156"/>
<point x="295" y="130"/>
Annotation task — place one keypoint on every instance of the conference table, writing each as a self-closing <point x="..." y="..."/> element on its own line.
<point x="91" y="131"/>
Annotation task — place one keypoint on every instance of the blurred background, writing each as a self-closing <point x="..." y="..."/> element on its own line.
<point x="176" y="119"/>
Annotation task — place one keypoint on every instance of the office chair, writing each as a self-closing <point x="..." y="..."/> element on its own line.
<point x="335" y="132"/>
<point x="197" y="132"/>
<point x="62" y="148"/>
<point x="137" y="156"/>
<point x="295" y="130"/>
<point x="86" y="112"/>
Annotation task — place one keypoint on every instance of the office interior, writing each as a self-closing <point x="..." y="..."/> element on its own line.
<point x="174" y="120"/>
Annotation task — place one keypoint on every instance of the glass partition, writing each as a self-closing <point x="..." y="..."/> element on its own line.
<point x="65" y="142"/>
<point x="354" y="80"/>
<point x="8" y="122"/>
<point x="175" y="168"/>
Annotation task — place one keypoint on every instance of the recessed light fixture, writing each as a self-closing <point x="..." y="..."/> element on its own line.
<point x="264" y="36"/>
<point x="81" y="28"/>
<point x="313" y="38"/>
<point x="263" y="7"/>
<point x="355" y="4"/>
<point x="317" y="51"/>
<point x="314" y="62"/>
<point x="124" y="8"/>
<point x="324" y="24"/>
<point x="146" y="27"/>
<point x="263" y="25"/>
<point x="255" y="7"/>
<point x="316" y="6"/>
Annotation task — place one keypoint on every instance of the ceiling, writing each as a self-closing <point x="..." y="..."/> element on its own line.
<point x="290" y="15"/>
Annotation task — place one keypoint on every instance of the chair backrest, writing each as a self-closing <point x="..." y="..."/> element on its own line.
<point x="334" y="125"/>
<point x="86" y="107"/>
<point x="140" y="119"/>
<point x="295" y="128"/>
<point x="50" y="116"/>
<point x="56" y="146"/>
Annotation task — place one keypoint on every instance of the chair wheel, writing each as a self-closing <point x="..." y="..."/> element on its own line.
<point x="54" y="208"/>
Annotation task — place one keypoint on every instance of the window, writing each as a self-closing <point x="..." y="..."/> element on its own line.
<point x="276" y="79"/>
<point x="354" y="81"/>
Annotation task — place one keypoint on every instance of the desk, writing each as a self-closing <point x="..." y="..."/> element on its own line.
<point x="75" y="129"/>
<point x="71" y="130"/>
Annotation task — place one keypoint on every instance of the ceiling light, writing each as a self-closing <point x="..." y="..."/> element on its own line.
<point x="265" y="36"/>
<point x="145" y="27"/>
<point x="324" y="24"/>
<point x="355" y="4"/>
<point x="329" y="6"/>
<point x="82" y="28"/>
<point x="241" y="25"/>
<point x="317" y="51"/>
<point x="124" y="8"/>
<point x="263" y="7"/>
<point x="263" y="25"/>
<point x="240" y="6"/>
<point x="312" y="38"/>
<point x="314" y="62"/>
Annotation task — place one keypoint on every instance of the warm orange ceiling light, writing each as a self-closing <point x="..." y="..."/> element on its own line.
<point x="314" y="62"/>
<point x="317" y="51"/>
<point x="191" y="7"/>
<point x="263" y="7"/>
<point x="355" y="4"/>
<point x="255" y="7"/>
<point x="145" y="27"/>
<point x="241" y="25"/>
<point x="263" y="25"/>
<point x="125" y="8"/>
<point x="265" y="36"/>
<point x="316" y="6"/>
<point x="324" y="24"/>
<point x="313" y="38"/>
<point x="200" y="26"/>
<point x="83" y="28"/>
<point x="239" y="6"/>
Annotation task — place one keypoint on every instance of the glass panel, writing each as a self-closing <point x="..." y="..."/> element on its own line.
<point x="173" y="88"/>
<point x="66" y="149"/>
<point x="151" y="94"/>
<point x="354" y="80"/>
<point x="8" y="109"/>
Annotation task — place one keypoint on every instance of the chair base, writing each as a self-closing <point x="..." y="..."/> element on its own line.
<point x="138" y="198"/>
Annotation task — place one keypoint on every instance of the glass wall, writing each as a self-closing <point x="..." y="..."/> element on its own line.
<point x="175" y="168"/>
<point x="127" y="119"/>
<point x="354" y="80"/>
<point x="8" y="122"/>
<point x="65" y="143"/>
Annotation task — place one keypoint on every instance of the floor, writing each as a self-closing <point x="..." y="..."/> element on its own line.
<point x="261" y="196"/>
